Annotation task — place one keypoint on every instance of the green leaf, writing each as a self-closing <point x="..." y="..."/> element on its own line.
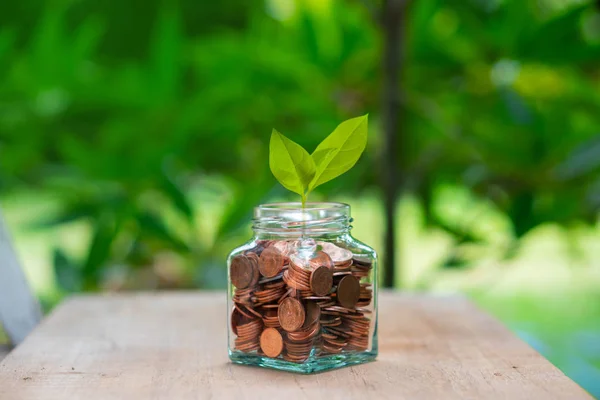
<point x="340" y="150"/>
<point x="290" y="163"/>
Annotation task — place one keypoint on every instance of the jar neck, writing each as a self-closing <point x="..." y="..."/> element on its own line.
<point x="291" y="220"/>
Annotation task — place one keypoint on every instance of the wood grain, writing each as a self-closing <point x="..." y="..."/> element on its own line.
<point x="19" y="309"/>
<point x="173" y="346"/>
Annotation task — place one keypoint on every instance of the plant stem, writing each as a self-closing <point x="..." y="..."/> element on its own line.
<point x="303" y="208"/>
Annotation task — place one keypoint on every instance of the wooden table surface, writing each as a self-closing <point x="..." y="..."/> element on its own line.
<point x="173" y="346"/>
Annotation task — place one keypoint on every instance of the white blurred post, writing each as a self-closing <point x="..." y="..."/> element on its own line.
<point x="19" y="309"/>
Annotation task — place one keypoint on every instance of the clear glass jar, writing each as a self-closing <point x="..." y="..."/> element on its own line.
<point x="302" y="292"/>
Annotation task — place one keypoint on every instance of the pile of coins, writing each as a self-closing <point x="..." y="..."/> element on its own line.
<point x="292" y="303"/>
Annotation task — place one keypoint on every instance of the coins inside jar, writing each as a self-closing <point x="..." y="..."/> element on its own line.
<point x="293" y="304"/>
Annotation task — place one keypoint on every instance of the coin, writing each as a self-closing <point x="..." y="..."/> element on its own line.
<point x="304" y="335"/>
<point x="275" y="278"/>
<point x="321" y="259"/>
<point x="241" y="311"/>
<point x="270" y="262"/>
<point x="348" y="291"/>
<point x="297" y="277"/>
<point x="338" y="255"/>
<point x="313" y="314"/>
<point x="248" y="334"/>
<point x="291" y="314"/>
<point x="270" y="319"/>
<point x="363" y="262"/>
<point x="321" y="281"/>
<point x="283" y="247"/>
<point x="236" y="319"/>
<point x="271" y="342"/>
<point x="253" y="259"/>
<point x="241" y="272"/>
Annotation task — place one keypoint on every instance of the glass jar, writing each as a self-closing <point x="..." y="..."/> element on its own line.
<point x="302" y="292"/>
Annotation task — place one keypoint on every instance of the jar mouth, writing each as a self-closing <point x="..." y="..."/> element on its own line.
<point x="293" y="219"/>
<point x="296" y="205"/>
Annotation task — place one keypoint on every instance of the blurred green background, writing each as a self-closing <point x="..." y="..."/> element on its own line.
<point x="134" y="144"/>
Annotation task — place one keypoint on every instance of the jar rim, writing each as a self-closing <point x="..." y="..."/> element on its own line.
<point x="291" y="217"/>
<point x="296" y="205"/>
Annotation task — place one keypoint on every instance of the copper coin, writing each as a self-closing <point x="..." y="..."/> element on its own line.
<point x="241" y="272"/>
<point x="253" y="259"/>
<point x="321" y="281"/>
<point x="271" y="262"/>
<point x="348" y="291"/>
<point x="271" y="342"/>
<point x="338" y="255"/>
<point x="360" y="262"/>
<point x="236" y="319"/>
<point x="283" y="247"/>
<point x="321" y="258"/>
<point x="291" y="314"/>
<point x="313" y="314"/>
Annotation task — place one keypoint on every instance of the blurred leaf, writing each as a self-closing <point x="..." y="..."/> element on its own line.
<point x="583" y="160"/>
<point x="70" y="213"/>
<point x="176" y="194"/>
<point x="593" y="201"/>
<point x="68" y="275"/>
<point x="165" y="53"/>
<point x="245" y="198"/>
<point x="521" y="213"/>
<point x="86" y="40"/>
<point x="516" y="106"/>
<point x="153" y="227"/>
<point x="559" y="40"/>
<point x="455" y="261"/>
<point x="7" y="38"/>
<point x="99" y="254"/>
<point x="461" y="233"/>
<point x="139" y="254"/>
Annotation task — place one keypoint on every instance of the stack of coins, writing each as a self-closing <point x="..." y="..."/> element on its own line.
<point x="292" y="306"/>
<point x="299" y="342"/>
<point x="247" y="329"/>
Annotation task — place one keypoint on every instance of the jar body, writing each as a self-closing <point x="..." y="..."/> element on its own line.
<point x="302" y="293"/>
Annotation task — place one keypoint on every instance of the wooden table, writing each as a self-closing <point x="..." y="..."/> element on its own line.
<point x="173" y="346"/>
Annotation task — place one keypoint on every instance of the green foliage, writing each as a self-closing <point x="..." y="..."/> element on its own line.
<point x="497" y="98"/>
<point x="117" y="116"/>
